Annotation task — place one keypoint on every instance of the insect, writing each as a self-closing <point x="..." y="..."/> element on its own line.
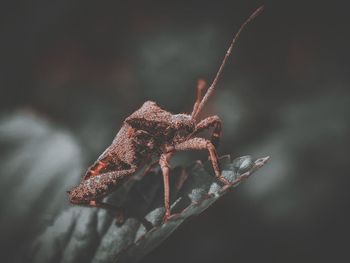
<point x="152" y="133"/>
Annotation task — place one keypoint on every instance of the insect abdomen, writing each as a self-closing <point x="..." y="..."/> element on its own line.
<point x="94" y="188"/>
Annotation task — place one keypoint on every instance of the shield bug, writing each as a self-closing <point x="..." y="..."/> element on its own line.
<point x="153" y="133"/>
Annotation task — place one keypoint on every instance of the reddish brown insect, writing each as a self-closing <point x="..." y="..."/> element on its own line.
<point x="153" y="133"/>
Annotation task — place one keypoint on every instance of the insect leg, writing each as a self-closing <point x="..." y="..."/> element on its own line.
<point x="203" y="144"/>
<point x="150" y="167"/>
<point x="164" y="165"/>
<point x="212" y="121"/>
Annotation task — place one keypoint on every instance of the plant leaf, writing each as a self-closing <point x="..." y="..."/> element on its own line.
<point x="41" y="162"/>
<point x="95" y="237"/>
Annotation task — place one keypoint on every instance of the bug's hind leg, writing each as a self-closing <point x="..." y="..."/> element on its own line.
<point x="203" y="144"/>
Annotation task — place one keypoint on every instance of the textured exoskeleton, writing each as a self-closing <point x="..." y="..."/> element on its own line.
<point x="152" y="133"/>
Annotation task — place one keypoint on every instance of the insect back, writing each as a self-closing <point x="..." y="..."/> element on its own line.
<point x="158" y="123"/>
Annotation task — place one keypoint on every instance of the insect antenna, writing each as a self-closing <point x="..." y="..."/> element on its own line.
<point x="212" y="87"/>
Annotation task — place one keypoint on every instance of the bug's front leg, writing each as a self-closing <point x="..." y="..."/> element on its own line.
<point x="203" y="144"/>
<point x="212" y="121"/>
<point x="164" y="165"/>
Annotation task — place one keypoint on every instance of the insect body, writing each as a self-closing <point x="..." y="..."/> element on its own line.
<point x="147" y="133"/>
<point x="153" y="133"/>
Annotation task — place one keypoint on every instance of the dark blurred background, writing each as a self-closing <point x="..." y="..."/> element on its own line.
<point x="81" y="67"/>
